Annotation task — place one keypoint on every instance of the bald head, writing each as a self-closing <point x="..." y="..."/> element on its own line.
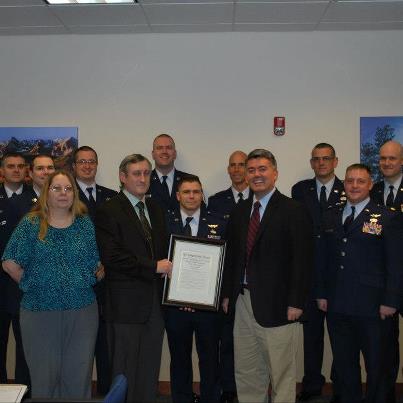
<point x="237" y="170"/>
<point x="391" y="160"/>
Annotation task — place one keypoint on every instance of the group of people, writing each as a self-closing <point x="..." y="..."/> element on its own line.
<point x="84" y="268"/>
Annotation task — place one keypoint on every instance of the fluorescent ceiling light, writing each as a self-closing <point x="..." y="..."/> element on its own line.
<point x="89" y="1"/>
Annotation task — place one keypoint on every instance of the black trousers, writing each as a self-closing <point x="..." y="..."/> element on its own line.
<point x="351" y="335"/>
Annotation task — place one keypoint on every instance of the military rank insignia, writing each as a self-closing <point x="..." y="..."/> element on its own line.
<point x="372" y="227"/>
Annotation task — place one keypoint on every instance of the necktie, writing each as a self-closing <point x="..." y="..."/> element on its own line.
<point x="146" y="225"/>
<point x="322" y="197"/>
<point x="391" y="196"/>
<point x="186" y="229"/>
<point x="349" y="219"/>
<point x="240" y="196"/>
<point x="13" y="196"/>
<point x="253" y="228"/>
<point x="165" y="184"/>
<point x="91" y="199"/>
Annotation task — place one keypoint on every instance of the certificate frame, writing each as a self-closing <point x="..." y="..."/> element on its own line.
<point x="197" y="270"/>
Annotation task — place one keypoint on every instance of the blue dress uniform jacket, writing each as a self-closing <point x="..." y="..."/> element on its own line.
<point x="377" y="195"/>
<point x="10" y="294"/>
<point x="223" y="202"/>
<point x="157" y="192"/>
<point x="362" y="268"/>
<point x="181" y="326"/>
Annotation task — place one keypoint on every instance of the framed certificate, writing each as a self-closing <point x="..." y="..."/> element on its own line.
<point x="196" y="273"/>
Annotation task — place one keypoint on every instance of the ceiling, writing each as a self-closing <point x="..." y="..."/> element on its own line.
<point x="30" y="17"/>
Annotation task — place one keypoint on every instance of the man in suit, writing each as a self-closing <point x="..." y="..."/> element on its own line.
<point x="165" y="177"/>
<point x="317" y="194"/>
<point x="223" y="203"/>
<point x="267" y="279"/>
<point x="85" y="167"/>
<point x="359" y="285"/>
<point x="13" y="171"/>
<point x="132" y="240"/>
<point x="389" y="193"/>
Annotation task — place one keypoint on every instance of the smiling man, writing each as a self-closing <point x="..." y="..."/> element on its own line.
<point x="165" y="177"/>
<point x="267" y="277"/>
<point x="359" y="286"/>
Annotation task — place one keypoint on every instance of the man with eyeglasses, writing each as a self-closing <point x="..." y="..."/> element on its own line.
<point x="85" y="167"/>
<point x="389" y="193"/>
<point x="13" y="170"/>
<point x="165" y="177"/>
<point x="133" y="244"/>
<point x="317" y="194"/>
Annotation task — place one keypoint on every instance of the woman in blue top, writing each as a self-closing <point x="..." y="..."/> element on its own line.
<point x="53" y="256"/>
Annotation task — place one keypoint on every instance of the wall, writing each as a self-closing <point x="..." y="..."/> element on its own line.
<point x="213" y="92"/>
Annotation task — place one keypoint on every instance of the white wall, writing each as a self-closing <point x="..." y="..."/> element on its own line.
<point x="213" y="92"/>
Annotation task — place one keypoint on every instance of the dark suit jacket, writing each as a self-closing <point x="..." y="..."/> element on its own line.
<point x="223" y="202"/>
<point x="158" y="194"/>
<point x="360" y="269"/>
<point x="305" y="192"/>
<point x="280" y="263"/>
<point x="102" y="194"/>
<point x="377" y="195"/>
<point x="131" y="277"/>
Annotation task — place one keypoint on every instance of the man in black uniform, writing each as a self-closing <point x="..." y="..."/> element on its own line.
<point x="193" y="220"/>
<point x="93" y="195"/>
<point x="317" y="194"/>
<point x="389" y="193"/>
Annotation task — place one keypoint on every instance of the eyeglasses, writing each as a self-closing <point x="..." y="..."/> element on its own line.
<point x="89" y="162"/>
<point x="324" y="159"/>
<point x="59" y="189"/>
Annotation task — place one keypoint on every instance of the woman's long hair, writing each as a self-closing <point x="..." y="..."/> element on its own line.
<point x="41" y="209"/>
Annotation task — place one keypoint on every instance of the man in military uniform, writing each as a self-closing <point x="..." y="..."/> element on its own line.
<point x="193" y="220"/>
<point x="224" y="203"/>
<point x="165" y="177"/>
<point x="389" y="192"/>
<point x="85" y="167"/>
<point x="359" y="280"/>
<point x="13" y="171"/>
<point x="317" y="194"/>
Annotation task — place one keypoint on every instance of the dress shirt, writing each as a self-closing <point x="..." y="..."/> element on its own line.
<point x="328" y="186"/>
<point x="235" y="192"/>
<point x="11" y="192"/>
<point x="194" y="224"/>
<point x="358" y="208"/>
<point x="84" y="186"/>
<point x="133" y="201"/>
<point x="396" y="186"/>
<point x="170" y="178"/>
<point x="264" y="201"/>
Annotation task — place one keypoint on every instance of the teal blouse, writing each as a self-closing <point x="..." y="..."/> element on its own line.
<point x="59" y="271"/>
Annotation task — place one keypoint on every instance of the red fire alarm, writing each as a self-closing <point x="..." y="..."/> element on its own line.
<point x="279" y="125"/>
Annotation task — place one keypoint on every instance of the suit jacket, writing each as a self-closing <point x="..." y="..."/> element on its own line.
<point x="8" y="222"/>
<point x="377" y="195"/>
<point x="305" y="192"/>
<point x="280" y="265"/>
<point x="131" y="277"/>
<point x="168" y="203"/>
<point x="362" y="268"/>
<point x="102" y="194"/>
<point x="223" y="202"/>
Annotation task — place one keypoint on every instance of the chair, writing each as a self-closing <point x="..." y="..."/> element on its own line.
<point x="118" y="390"/>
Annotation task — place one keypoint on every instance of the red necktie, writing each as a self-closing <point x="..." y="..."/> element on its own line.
<point x="253" y="227"/>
